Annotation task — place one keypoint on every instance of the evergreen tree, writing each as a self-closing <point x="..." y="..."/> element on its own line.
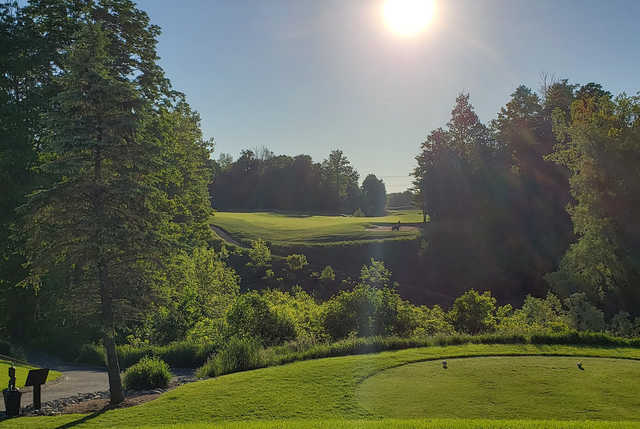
<point x="374" y="196"/>
<point x="128" y="178"/>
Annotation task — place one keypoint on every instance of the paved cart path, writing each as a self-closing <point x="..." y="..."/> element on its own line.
<point x="74" y="380"/>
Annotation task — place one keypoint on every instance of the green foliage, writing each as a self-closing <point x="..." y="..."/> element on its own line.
<point x="537" y="315"/>
<point x="296" y="262"/>
<point x="601" y="150"/>
<point x="92" y="354"/>
<point x="374" y="196"/>
<point x="148" y="373"/>
<point x="327" y="274"/>
<point x="473" y="313"/>
<point x="622" y="325"/>
<point x="358" y="213"/>
<point x="252" y="317"/>
<point x="375" y="275"/>
<point x="479" y="185"/>
<point x="583" y="316"/>
<point x="303" y="310"/>
<point x="260" y="180"/>
<point x="363" y="311"/>
<point x="183" y="354"/>
<point x="239" y="354"/>
<point x="198" y="290"/>
<point x="259" y="254"/>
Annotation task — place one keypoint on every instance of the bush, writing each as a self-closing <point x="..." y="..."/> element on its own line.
<point x="91" y="354"/>
<point x="240" y="354"/>
<point x="148" y="373"/>
<point x="358" y="213"/>
<point x="250" y="316"/>
<point x="474" y="313"/>
<point x="583" y="315"/>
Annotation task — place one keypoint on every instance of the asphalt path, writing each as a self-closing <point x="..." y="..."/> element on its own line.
<point x="74" y="380"/>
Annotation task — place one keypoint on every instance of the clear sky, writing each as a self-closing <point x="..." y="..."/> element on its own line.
<point x="309" y="76"/>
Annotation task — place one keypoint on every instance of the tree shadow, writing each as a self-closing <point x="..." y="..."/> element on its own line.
<point x="84" y="419"/>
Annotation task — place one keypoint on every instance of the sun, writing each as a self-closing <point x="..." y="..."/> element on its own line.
<point x="408" y="17"/>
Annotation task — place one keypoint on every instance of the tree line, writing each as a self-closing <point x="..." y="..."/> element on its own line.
<point x="261" y="180"/>
<point x="542" y="197"/>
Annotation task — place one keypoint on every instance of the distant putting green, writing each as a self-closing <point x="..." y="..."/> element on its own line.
<point x="352" y="390"/>
<point x="507" y="388"/>
<point x="288" y="229"/>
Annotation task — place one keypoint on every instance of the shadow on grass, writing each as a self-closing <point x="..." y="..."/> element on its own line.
<point x="84" y="419"/>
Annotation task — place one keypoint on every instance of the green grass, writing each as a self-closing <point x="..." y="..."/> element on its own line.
<point x="21" y="374"/>
<point x="286" y="229"/>
<point x="60" y="422"/>
<point x="506" y="388"/>
<point x="310" y="393"/>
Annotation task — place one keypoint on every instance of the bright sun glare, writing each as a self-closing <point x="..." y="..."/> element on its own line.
<point x="408" y="17"/>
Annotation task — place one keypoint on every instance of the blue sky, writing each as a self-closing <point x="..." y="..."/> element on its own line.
<point x="309" y="76"/>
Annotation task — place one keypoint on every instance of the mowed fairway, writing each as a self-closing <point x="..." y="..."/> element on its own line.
<point x="329" y="392"/>
<point x="507" y="387"/>
<point x="287" y="229"/>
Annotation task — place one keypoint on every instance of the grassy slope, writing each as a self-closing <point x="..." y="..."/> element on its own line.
<point x="21" y="374"/>
<point x="299" y="229"/>
<point x="322" y="389"/>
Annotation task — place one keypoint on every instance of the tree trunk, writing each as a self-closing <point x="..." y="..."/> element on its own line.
<point x="106" y="288"/>
<point x="113" y="367"/>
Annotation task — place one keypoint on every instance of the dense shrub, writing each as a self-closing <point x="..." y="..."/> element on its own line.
<point x="148" y="373"/>
<point x="537" y="316"/>
<point x="303" y="310"/>
<point x="91" y="354"/>
<point x="250" y="316"/>
<point x="239" y="354"/>
<point x="583" y="315"/>
<point x="473" y="313"/>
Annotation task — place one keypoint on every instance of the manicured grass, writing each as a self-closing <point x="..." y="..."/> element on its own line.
<point x="507" y="387"/>
<point x="328" y="389"/>
<point x="285" y="229"/>
<point x="21" y="374"/>
<point x="60" y="422"/>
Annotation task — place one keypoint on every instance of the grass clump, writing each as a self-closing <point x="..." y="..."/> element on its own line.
<point x="240" y="354"/>
<point x="148" y="373"/>
<point x="182" y="354"/>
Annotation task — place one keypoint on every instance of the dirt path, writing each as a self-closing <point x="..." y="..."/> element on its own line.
<point x="226" y="237"/>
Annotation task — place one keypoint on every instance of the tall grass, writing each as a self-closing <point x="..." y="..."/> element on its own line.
<point x="194" y="355"/>
<point x="240" y="354"/>
<point x="293" y="351"/>
<point x="183" y="354"/>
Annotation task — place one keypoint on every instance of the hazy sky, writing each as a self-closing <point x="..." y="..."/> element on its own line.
<point x="309" y="76"/>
